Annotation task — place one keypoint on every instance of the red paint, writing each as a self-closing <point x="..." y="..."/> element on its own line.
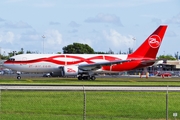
<point x="70" y="70"/>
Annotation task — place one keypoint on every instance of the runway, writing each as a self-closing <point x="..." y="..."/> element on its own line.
<point x="86" y="88"/>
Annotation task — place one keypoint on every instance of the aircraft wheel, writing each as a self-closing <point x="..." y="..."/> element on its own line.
<point x="80" y="78"/>
<point x="84" y="77"/>
<point x="18" y="77"/>
<point x="93" y="77"/>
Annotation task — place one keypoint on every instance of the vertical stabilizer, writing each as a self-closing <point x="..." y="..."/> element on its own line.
<point x="151" y="45"/>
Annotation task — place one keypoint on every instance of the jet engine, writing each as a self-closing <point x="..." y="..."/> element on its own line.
<point x="69" y="70"/>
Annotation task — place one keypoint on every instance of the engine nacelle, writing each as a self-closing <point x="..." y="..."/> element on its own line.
<point x="69" y="70"/>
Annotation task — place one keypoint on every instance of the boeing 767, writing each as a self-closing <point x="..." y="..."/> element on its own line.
<point x="84" y="66"/>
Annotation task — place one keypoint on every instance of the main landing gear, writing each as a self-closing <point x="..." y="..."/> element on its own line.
<point x="86" y="77"/>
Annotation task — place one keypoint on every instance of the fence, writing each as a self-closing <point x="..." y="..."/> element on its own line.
<point x="88" y="105"/>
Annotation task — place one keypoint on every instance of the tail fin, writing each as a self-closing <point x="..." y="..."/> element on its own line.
<point x="151" y="45"/>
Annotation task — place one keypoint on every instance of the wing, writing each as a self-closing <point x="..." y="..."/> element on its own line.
<point x="95" y="66"/>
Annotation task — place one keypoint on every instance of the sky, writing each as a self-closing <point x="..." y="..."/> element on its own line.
<point x="102" y="24"/>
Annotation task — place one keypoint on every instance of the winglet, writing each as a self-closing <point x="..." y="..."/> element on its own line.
<point x="151" y="45"/>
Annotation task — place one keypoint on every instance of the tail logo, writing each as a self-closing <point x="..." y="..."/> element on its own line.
<point x="154" y="41"/>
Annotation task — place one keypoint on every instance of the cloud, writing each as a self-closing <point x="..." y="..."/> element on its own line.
<point x="34" y="37"/>
<point x="53" y="37"/>
<point x="5" y="51"/>
<point x="7" y="37"/>
<point x="74" y="24"/>
<point x="173" y="20"/>
<point x="105" y="18"/>
<point x="85" y="41"/>
<point x="19" y="24"/>
<point x="54" y="23"/>
<point x="117" y="40"/>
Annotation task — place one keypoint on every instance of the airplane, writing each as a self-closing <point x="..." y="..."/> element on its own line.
<point x="85" y="66"/>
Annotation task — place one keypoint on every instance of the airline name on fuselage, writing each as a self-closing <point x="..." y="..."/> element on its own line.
<point x="40" y="66"/>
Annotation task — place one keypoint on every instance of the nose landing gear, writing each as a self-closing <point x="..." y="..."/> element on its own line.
<point x="18" y="77"/>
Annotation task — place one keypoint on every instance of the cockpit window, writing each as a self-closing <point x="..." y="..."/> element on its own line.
<point x="11" y="59"/>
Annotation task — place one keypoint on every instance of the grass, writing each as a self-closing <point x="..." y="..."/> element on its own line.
<point x="66" y="105"/>
<point x="39" y="105"/>
<point x="99" y="81"/>
<point x="100" y="105"/>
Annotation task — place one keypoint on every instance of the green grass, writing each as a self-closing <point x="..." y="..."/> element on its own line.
<point x="68" y="105"/>
<point x="99" y="81"/>
<point x="100" y="105"/>
<point x="38" y="105"/>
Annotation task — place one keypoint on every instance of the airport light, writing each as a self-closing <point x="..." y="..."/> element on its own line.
<point x="134" y="43"/>
<point x="43" y="42"/>
<point x="14" y="53"/>
<point x="177" y="55"/>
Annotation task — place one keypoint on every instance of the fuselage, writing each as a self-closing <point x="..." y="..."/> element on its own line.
<point x="52" y="62"/>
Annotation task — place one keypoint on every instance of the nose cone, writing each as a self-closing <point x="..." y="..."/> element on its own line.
<point x="5" y="63"/>
<point x="1" y="63"/>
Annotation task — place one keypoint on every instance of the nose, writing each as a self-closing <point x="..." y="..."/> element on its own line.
<point x="4" y="63"/>
<point x="1" y="63"/>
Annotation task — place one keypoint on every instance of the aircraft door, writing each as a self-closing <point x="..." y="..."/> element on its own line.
<point x="62" y="72"/>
